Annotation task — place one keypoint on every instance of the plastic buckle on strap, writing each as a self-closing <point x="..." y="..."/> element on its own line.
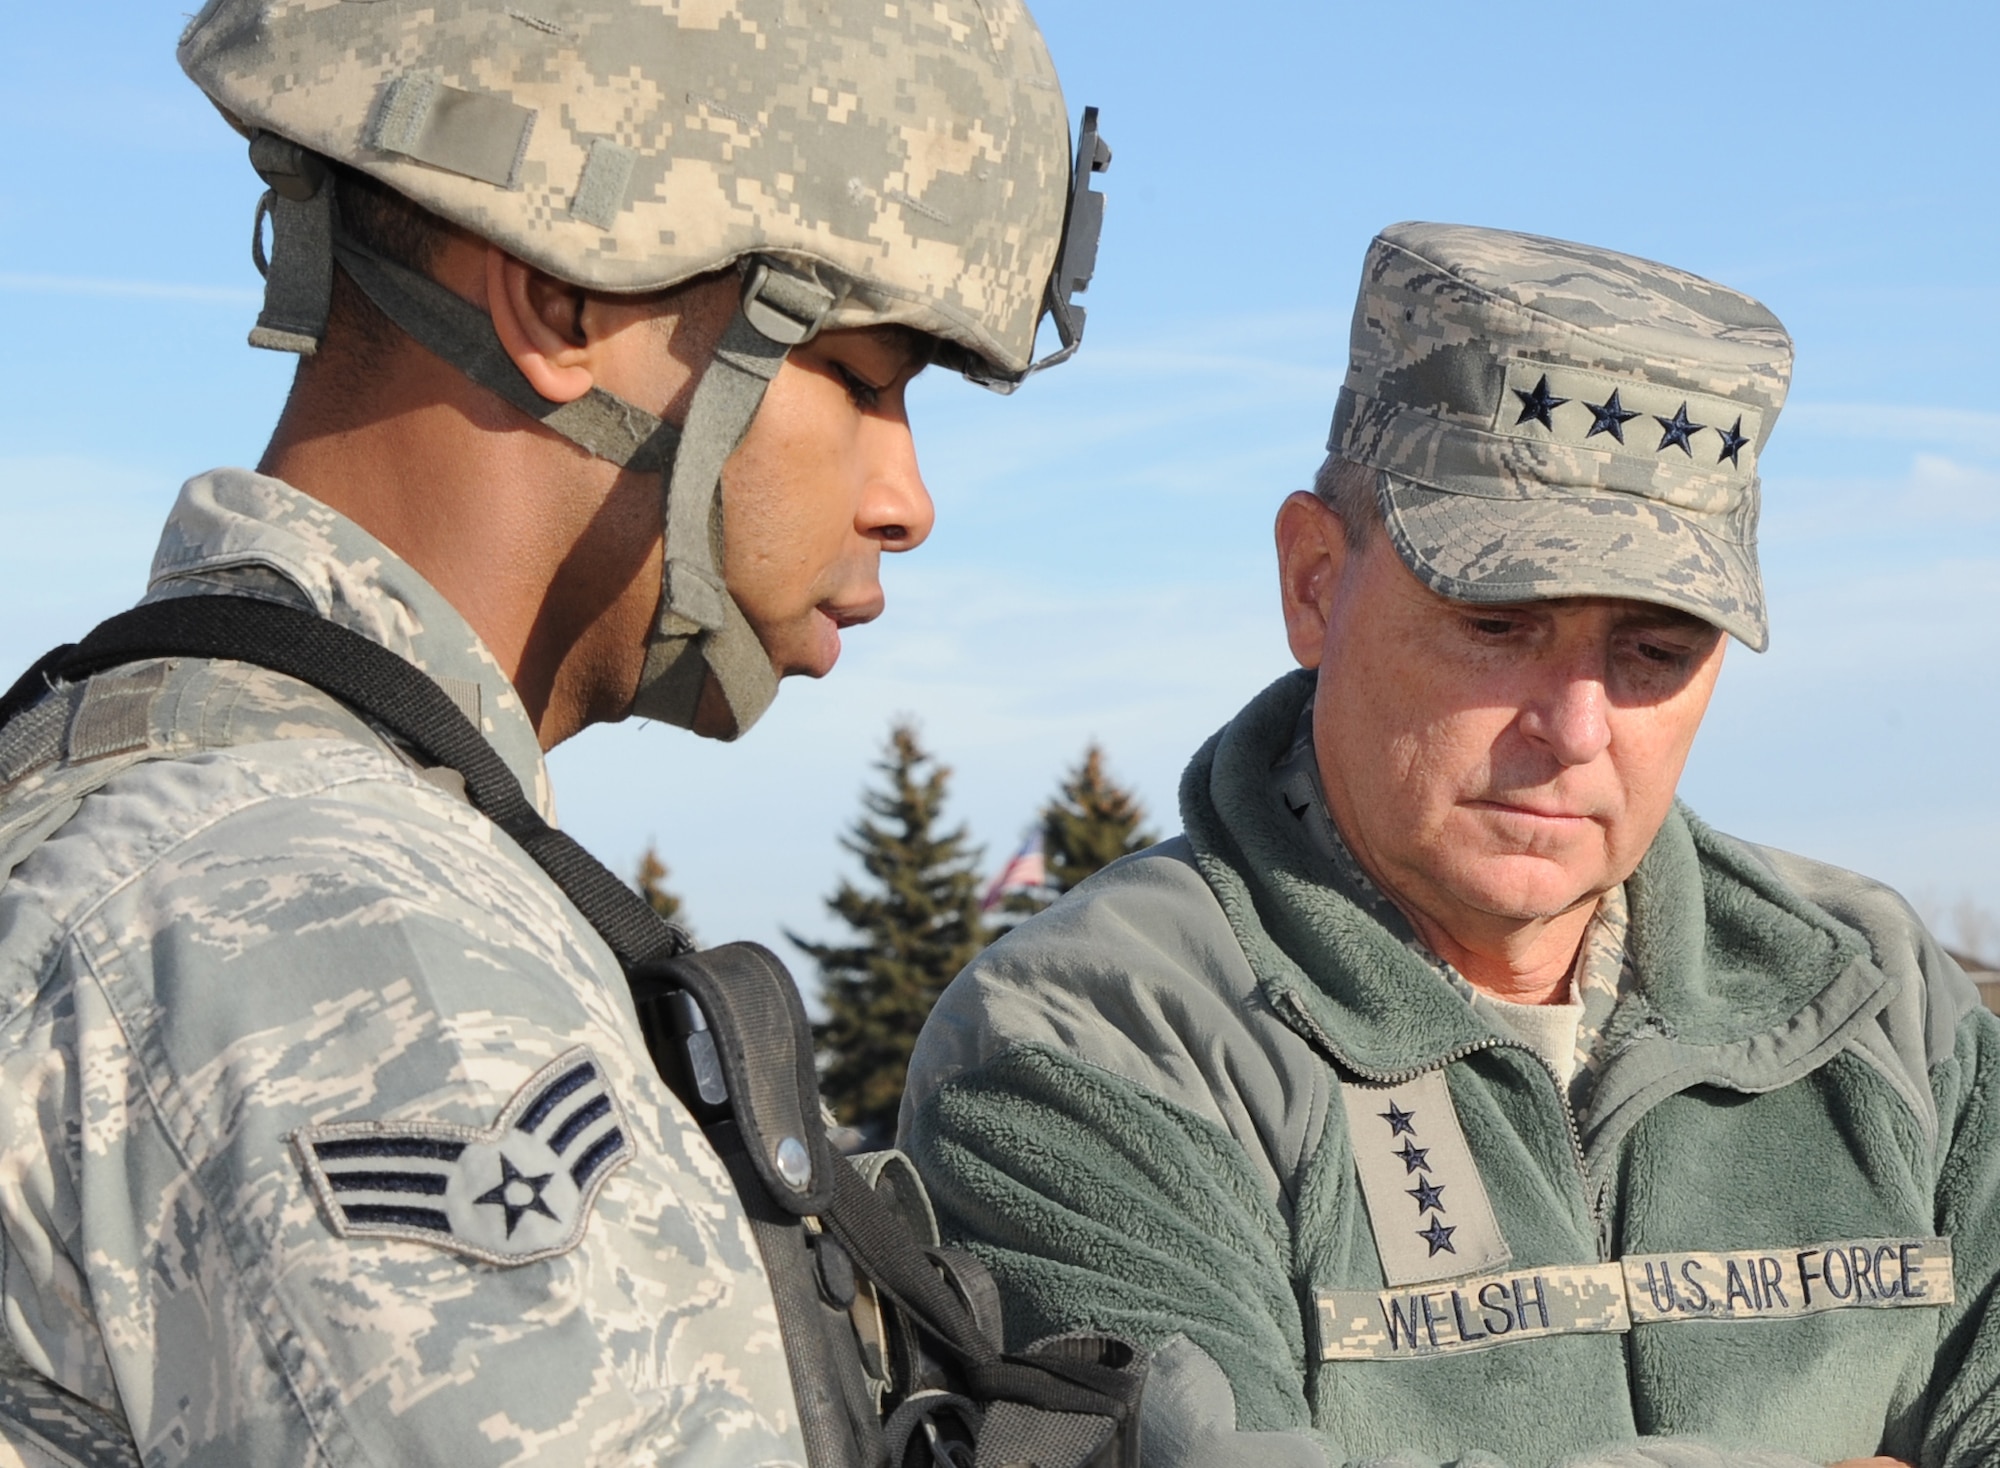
<point x="291" y="171"/>
<point x="784" y="305"/>
<point x="696" y="593"/>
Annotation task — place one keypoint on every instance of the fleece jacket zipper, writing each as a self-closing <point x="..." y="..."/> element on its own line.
<point x="1316" y="1032"/>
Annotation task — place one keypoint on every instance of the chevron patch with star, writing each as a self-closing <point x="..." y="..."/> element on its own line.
<point x="511" y="1194"/>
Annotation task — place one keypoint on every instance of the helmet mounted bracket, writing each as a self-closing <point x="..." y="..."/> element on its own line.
<point x="1076" y="258"/>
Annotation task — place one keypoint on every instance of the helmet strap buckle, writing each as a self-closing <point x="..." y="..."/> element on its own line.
<point x="785" y="305"/>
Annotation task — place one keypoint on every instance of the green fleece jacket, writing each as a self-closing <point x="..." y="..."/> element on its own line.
<point x="1132" y="1108"/>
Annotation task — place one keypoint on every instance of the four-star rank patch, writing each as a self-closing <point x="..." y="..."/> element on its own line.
<point x="1426" y="1200"/>
<point x="515" y="1193"/>
<point x="1547" y="403"/>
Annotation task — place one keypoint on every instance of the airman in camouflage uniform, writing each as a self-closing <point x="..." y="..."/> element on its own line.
<point x="1447" y="1092"/>
<point x="328" y="1131"/>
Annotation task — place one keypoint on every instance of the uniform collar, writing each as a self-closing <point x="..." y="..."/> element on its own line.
<point x="1325" y="961"/>
<point x="249" y="534"/>
<point x="1601" y="975"/>
<point x="1738" y="980"/>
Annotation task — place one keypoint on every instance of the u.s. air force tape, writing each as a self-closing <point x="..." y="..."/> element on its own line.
<point x="1479" y="1312"/>
<point x="1776" y="1284"/>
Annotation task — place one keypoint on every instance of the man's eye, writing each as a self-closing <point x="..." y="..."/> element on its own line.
<point x="865" y="394"/>
<point x="1493" y="626"/>
<point x="1662" y="655"/>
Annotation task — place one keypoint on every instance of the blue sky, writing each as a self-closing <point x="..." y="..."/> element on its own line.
<point x="1101" y="567"/>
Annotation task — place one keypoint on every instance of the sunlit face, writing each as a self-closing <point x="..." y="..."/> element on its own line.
<point x="823" y="484"/>
<point x="564" y="577"/>
<point x="1490" y="764"/>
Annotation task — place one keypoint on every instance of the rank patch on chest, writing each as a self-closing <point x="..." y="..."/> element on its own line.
<point x="517" y="1192"/>
<point x="1428" y="1206"/>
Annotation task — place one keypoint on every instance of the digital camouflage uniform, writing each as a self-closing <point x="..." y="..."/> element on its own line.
<point x="1223" y="1100"/>
<point x="330" y="1135"/>
<point x="1550" y="419"/>
<point x="233" y="913"/>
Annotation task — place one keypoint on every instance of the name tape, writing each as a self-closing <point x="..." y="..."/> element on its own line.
<point x="1478" y="1313"/>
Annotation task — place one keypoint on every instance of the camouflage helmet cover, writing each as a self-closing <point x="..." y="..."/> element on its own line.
<point x="915" y="151"/>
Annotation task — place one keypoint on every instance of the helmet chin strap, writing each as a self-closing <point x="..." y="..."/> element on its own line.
<point x="699" y="632"/>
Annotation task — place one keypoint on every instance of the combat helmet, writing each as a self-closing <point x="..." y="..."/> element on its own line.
<point x="859" y="162"/>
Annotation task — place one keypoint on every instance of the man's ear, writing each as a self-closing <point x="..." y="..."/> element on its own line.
<point x="1312" y="553"/>
<point x="539" y="320"/>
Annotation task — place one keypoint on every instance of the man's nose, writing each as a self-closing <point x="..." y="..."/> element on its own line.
<point x="896" y="510"/>
<point x="1569" y="716"/>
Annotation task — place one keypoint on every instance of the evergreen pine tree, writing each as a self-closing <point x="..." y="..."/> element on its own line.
<point x="651" y="882"/>
<point x="916" y="924"/>
<point x="1091" y="823"/>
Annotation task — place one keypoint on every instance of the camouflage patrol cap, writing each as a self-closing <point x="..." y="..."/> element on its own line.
<point x="919" y="153"/>
<point x="1552" y="420"/>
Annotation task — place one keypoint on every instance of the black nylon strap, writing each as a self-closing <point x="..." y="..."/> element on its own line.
<point x="386" y="689"/>
<point x="890" y="1255"/>
<point x="827" y="1383"/>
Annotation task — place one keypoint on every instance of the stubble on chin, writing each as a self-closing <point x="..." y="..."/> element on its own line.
<point x="1518" y="881"/>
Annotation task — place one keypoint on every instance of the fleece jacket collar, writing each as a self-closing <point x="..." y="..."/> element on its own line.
<point x="1741" y="982"/>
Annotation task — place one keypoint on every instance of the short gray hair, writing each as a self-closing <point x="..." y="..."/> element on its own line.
<point x="1348" y="489"/>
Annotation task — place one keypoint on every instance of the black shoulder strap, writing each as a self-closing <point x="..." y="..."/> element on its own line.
<point x="384" y="688"/>
<point x="750" y="1080"/>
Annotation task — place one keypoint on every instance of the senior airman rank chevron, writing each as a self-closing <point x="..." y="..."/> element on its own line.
<point x="1426" y="1201"/>
<point x="518" y="1192"/>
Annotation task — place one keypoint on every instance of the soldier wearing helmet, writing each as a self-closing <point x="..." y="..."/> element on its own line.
<point x="330" y="1132"/>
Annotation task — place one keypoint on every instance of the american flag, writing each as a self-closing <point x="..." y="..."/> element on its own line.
<point x="1024" y="869"/>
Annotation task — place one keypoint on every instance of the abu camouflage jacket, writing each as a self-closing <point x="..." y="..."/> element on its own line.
<point x="1210" y="1102"/>
<point x="326" y="1131"/>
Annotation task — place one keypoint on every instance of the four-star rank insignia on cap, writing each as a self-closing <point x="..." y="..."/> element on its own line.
<point x="1546" y="402"/>
<point x="515" y="1193"/>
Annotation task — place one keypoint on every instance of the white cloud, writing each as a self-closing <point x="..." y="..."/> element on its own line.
<point x="1962" y="427"/>
<point x="155" y="290"/>
<point x="1934" y="493"/>
<point x="1943" y="489"/>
